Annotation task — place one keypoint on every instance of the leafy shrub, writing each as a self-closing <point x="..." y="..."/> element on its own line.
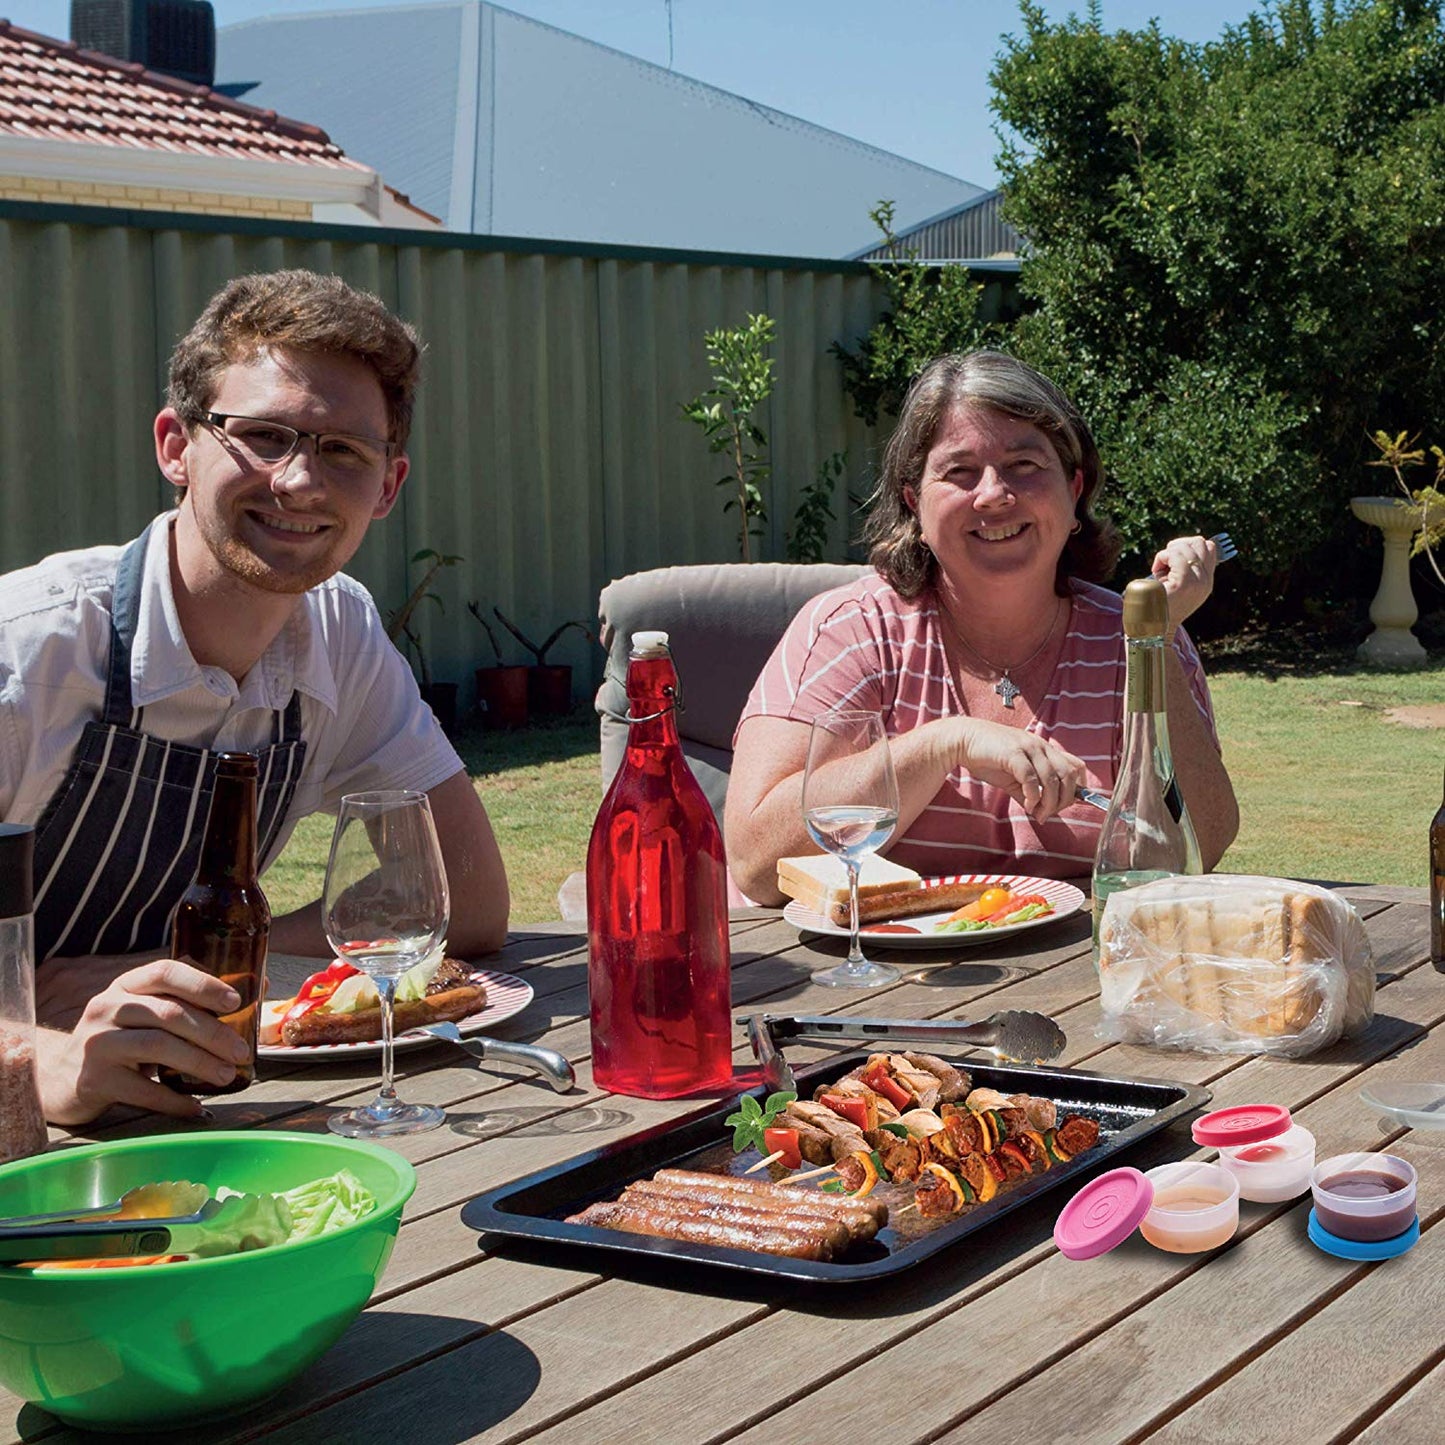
<point x="1236" y="252"/>
<point x="931" y="310"/>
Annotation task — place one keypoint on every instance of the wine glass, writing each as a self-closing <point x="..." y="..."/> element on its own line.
<point x="385" y="909"/>
<point x="850" y="804"/>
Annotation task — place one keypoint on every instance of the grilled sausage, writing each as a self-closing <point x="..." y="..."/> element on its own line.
<point x="838" y="1205"/>
<point x="364" y="1024"/>
<point x="735" y="1209"/>
<point x="640" y="1219"/>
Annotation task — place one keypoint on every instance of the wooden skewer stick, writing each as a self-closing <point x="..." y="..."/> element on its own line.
<point x="809" y="1174"/>
<point x="907" y="1209"/>
<point x="763" y="1163"/>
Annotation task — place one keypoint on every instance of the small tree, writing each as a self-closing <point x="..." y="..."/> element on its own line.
<point x="398" y="623"/>
<point x="808" y="541"/>
<point x="742" y="381"/>
<point x="1399" y="454"/>
<point x="931" y="310"/>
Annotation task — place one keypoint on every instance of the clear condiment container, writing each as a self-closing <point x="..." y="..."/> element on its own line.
<point x="1183" y="1208"/>
<point x="1195" y="1207"/>
<point x="1270" y="1156"/>
<point x="22" y="1126"/>
<point x="1365" y="1198"/>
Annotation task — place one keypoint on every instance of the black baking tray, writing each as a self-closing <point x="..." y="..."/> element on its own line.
<point x="535" y="1207"/>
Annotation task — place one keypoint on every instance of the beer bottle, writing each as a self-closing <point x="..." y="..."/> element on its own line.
<point x="1437" y="889"/>
<point x="223" y="920"/>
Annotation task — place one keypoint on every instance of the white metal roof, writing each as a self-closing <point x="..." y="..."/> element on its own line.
<point x="506" y="126"/>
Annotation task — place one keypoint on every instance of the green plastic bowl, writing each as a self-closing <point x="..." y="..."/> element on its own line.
<point x="131" y="1349"/>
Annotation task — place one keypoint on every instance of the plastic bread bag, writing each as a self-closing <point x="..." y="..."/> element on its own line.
<point x="1232" y="964"/>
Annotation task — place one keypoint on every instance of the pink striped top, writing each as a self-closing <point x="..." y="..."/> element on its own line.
<point x="864" y="646"/>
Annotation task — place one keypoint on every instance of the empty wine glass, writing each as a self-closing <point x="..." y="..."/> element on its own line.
<point x="850" y="804"/>
<point x="385" y="909"/>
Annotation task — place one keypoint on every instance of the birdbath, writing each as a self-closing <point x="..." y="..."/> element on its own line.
<point x="1393" y="611"/>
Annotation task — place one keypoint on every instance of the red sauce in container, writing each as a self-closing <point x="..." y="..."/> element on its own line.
<point x="1383" y="1222"/>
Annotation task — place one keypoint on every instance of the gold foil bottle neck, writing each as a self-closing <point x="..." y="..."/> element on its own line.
<point x="1146" y="608"/>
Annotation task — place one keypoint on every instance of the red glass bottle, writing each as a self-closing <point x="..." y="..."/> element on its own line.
<point x="658" y="969"/>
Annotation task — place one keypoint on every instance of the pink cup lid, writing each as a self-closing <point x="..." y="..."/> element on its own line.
<point x="1103" y="1214"/>
<point x="1243" y="1124"/>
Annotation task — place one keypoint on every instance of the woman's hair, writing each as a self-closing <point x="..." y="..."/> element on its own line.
<point x="1004" y="384"/>
<point x="306" y="311"/>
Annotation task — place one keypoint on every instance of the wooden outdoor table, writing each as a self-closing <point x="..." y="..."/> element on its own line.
<point x="997" y="1339"/>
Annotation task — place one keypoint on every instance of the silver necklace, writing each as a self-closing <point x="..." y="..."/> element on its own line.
<point x="1005" y="686"/>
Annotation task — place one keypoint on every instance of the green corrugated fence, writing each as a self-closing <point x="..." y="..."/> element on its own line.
<point x="549" y="449"/>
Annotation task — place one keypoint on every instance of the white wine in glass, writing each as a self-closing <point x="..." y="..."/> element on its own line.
<point x="850" y="806"/>
<point x="385" y="909"/>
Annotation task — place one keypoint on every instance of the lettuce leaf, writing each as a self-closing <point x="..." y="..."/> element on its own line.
<point x="323" y="1206"/>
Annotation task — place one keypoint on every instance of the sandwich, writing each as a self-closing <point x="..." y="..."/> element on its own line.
<point x="340" y="1005"/>
<point x="886" y="890"/>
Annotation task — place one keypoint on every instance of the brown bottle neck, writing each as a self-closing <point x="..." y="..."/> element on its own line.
<point x="228" y="847"/>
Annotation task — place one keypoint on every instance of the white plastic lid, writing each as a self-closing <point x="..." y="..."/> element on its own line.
<point x="649" y="644"/>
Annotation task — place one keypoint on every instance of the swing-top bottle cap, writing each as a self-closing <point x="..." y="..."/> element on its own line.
<point x="1146" y="608"/>
<point x="17" y="855"/>
<point x="649" y="644"/>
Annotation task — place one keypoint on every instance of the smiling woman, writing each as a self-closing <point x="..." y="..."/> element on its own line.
<point x="986" y="642"/>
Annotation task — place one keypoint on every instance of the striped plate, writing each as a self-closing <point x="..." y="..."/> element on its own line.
<point x="507" y="995"/>
<point x="1064" y="896"/>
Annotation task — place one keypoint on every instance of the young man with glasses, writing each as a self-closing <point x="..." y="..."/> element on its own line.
<point x="227" y="625"/>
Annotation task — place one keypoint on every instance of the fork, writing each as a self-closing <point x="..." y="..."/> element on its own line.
<point x="1225" y="543"/>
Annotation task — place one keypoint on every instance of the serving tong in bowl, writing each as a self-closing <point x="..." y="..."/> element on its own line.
<point x="1018" y="1035"/>
<point x="86" y="1234"/>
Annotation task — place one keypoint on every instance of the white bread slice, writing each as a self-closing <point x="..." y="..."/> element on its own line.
<point x="817" y="880"/>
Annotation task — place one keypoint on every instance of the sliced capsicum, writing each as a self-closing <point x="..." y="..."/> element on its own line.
<point x="882" y="1082"/>
<point x="318" y="988"/>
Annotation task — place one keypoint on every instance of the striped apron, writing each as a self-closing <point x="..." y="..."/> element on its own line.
<point x="119" y="841"/>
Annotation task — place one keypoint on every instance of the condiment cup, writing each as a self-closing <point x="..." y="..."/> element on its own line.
<point x="1184" y="1208"/>
<point x="1262" y="1147"/>
<point x="1195" y="1207"/>
<point x="1366" y="1198"/>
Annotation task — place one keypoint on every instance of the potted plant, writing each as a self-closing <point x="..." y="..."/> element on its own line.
<point x="549" y="684"/>
<point x="502" y="689"/>
<point x="441" y="697"/>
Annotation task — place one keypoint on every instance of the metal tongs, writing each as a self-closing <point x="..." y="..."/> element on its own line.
<point x="1014" y="1034"/>
<point x="45" y="1237"/>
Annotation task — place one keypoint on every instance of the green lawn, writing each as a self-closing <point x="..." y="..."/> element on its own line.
<point x="541" y="787"/>
<point x="1327" y="787"/>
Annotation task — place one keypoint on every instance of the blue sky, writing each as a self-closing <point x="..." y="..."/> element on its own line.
<point x="910" y="76"/>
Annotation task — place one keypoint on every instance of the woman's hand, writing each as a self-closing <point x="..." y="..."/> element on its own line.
<point x="1186" y="568"/>
<point x="1034" y="771"/>
<point x="161" y="1013"/>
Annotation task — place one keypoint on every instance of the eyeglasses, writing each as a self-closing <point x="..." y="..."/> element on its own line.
<point x="270" y="444"/>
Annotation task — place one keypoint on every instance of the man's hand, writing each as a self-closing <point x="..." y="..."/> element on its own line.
<point x="161" y="1013"/>
<point x="1186" y="568"/>
<point x="1036" y="771"/>
<point x="64" y="986"/>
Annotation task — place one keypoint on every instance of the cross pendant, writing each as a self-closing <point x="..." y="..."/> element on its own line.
<point x="1006" y="689"/>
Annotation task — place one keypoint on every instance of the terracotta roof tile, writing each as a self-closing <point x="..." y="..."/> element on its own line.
<point x="53" y="90"/>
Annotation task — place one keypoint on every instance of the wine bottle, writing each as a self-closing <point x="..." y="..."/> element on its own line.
<point x="1147" y="833"/>
<point x="1437" y="889"/>
<point x="658" y="963"/>
<point x="223" y="922"/>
